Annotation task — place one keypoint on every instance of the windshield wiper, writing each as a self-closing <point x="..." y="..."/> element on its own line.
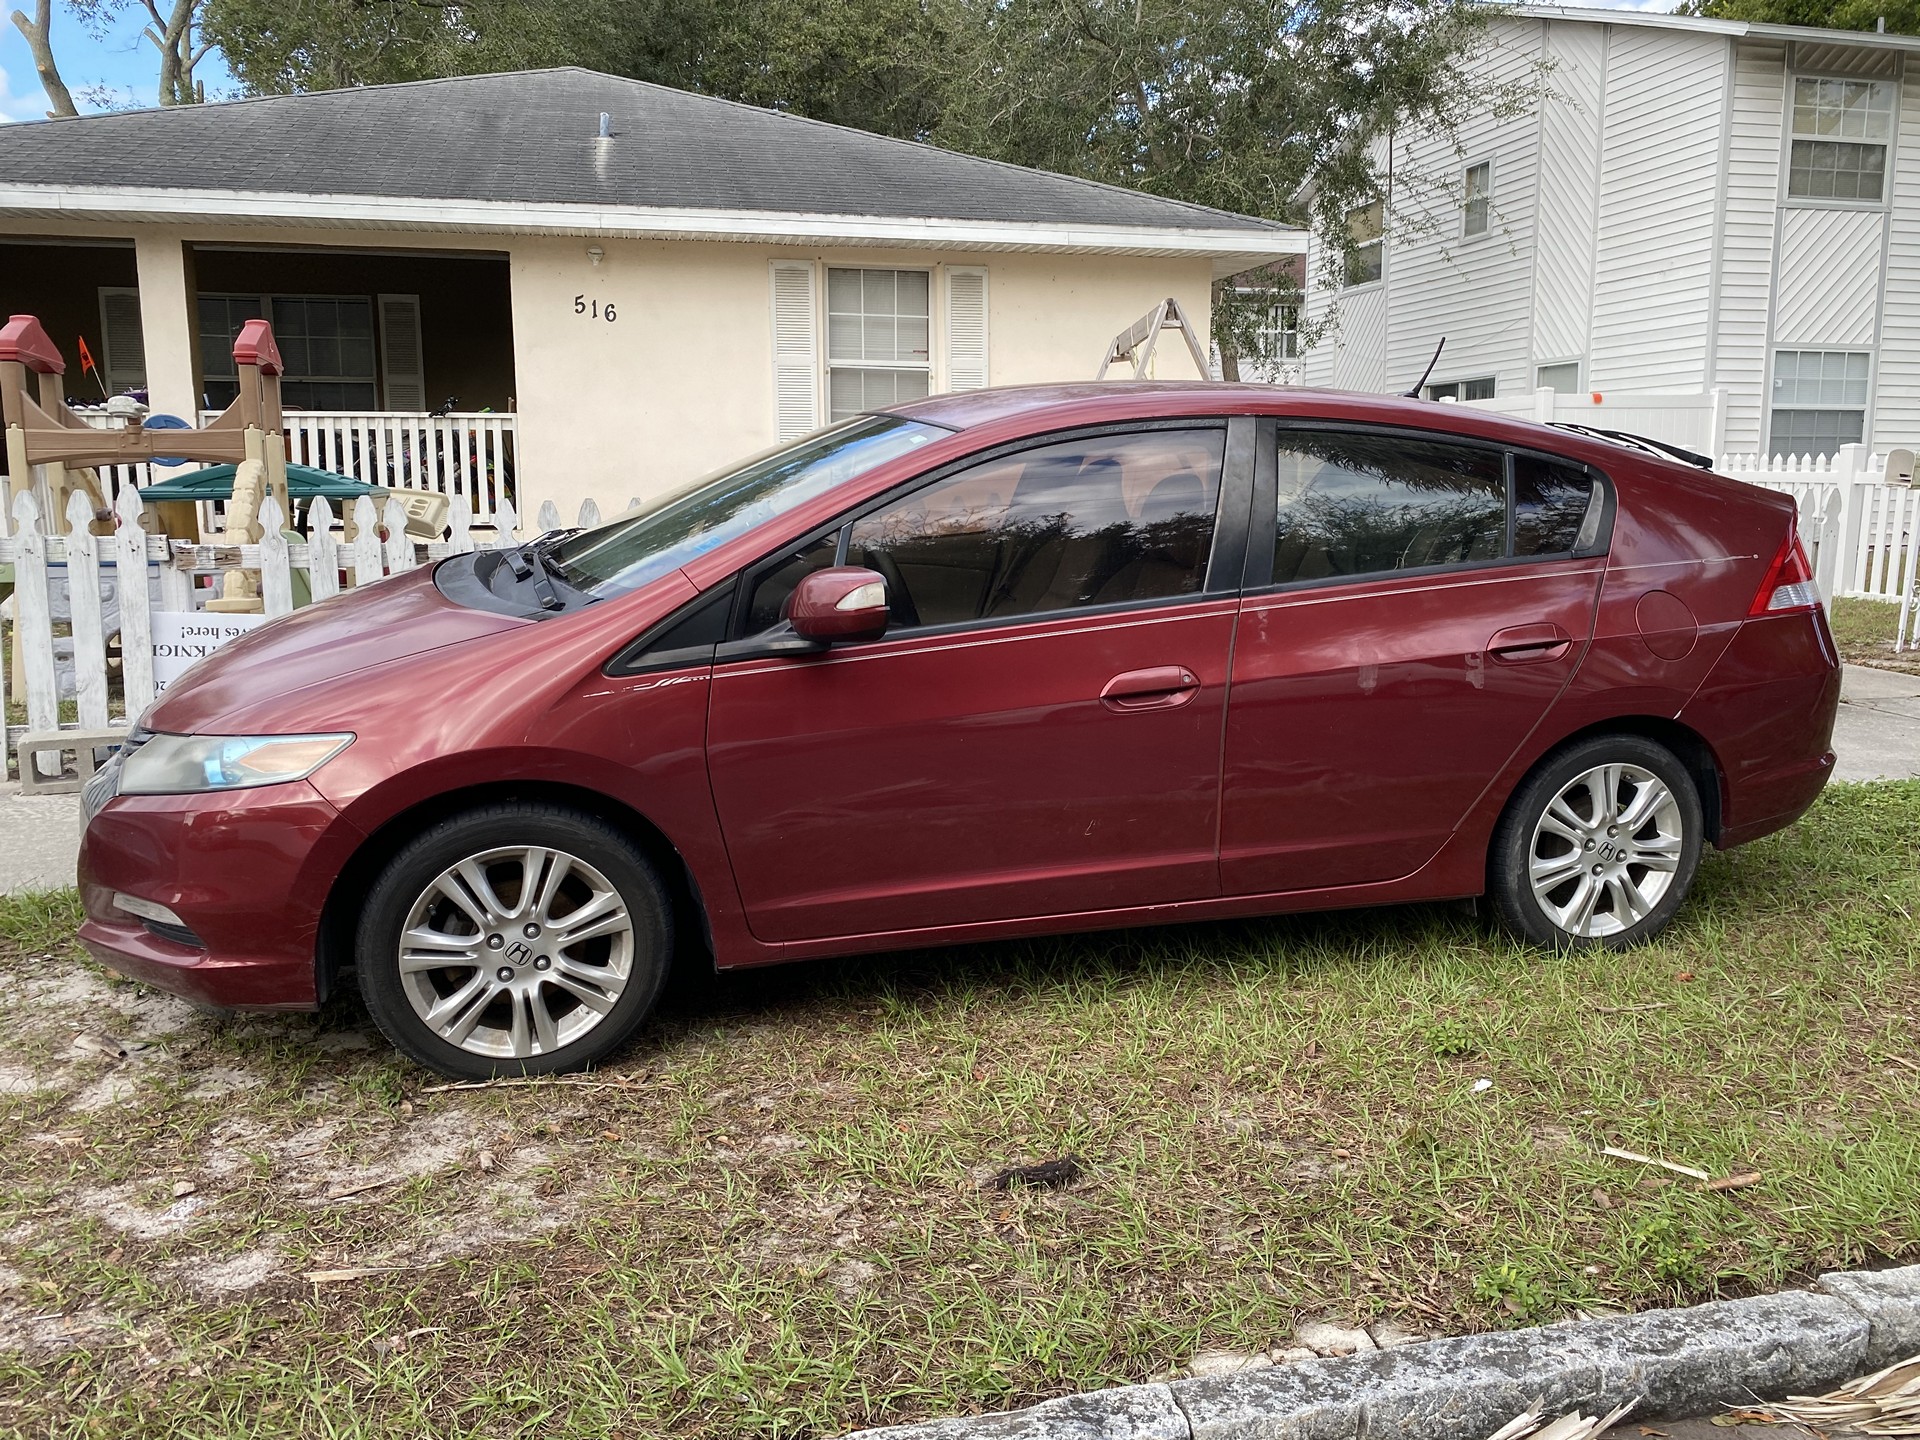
<point x="531" y="560"/>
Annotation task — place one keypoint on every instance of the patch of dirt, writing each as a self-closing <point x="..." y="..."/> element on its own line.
<point x="248" y="1270"/>
<point x="120" y="1207"/>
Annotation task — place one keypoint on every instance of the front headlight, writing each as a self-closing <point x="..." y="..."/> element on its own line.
<point x="188" y="764"/>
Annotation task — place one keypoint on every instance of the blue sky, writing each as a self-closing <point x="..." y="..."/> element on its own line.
<point x="123" y="65"/>
<point x="120" y="69"/>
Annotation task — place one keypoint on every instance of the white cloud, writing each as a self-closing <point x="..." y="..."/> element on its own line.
<point x="16" y="107"/>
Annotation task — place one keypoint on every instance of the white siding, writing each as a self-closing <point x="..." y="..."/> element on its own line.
<point x="1569" y="192"/>
<point x="1358" y="352"/>
<point x="1659" y="194"/>
<point x="1475" y="291"/>
<point x="1828" y="288"/>
<point x="1747" y="238"/>
<point x="1896" y="412"/>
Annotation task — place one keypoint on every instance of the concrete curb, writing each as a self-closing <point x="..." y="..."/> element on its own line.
<point x="1671" y="1362"/>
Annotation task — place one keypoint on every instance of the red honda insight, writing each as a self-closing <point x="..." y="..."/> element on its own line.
<point x="1001" y="663"/>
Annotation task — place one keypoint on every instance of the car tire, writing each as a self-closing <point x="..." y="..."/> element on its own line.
<point x="1570" y="870"/>
<point x="554" y="932"/>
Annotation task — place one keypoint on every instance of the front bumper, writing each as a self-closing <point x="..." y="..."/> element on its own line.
<point x="247" y="873"/>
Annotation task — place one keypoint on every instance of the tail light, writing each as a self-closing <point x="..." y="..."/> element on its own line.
<point x="1789" y="584"/>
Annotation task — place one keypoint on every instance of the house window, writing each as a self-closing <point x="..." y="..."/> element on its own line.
<point x="1366" y="227"/>
<point x="1564" y="377"/>
<point x="1841" y="129"/>
<point x="1819" y="400"/>
<point x="326" y="342"/>
<point x="878" y="339"/>
<point x="1477" y="389"/>
<point x="1475" y="193"/>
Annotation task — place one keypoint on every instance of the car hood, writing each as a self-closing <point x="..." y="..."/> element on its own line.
<point x="322" y="644"/>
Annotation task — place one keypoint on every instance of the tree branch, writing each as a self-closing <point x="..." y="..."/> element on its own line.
<point x="39" y="33"/>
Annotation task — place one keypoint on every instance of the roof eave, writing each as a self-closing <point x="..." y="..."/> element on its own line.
<point x="1701" y="25"/>
<point x="1236" y="246"/>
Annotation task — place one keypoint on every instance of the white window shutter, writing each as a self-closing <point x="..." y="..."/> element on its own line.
<point x="966" y="327"/>
<point x="403" y="378"/>
<point x="123" y="345"/>
<point x="796" y="349"/>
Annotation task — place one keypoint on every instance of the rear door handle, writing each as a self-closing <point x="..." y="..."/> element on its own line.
<point x="1529" y="644"/>
<point x="1164" y="687"/>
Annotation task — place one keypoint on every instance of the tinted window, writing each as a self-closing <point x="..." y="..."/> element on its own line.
<point x="1550" y="500"/>
<point x="1361" y="504"/>
<point x="1087" y="522"/>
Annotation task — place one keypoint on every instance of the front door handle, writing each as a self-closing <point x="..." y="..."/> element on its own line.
<point x="1164" y="687"/>
<point x="1529" y="644"/>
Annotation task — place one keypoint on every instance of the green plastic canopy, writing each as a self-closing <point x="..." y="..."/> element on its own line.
<point x="216" y="483"/>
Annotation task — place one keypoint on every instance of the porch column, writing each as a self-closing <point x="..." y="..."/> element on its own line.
<point x="168" y="302"/>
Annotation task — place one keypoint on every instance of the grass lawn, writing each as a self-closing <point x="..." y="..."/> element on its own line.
<point x="1865" y="631"/>
<point x="769" y="1217"/>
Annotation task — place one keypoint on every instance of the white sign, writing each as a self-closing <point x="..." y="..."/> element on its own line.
<point x="179" y="639"/>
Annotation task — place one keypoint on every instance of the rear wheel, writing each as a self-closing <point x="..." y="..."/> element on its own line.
<point x="517" y="939"/>
<point x="1598" y="846"/>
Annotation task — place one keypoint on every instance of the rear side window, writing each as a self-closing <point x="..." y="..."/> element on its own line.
<point x="1354" y="504"/>
<point x="1360" y="504"/>
<point x="1101" y="520"/>
<point x="1550" y="503"/>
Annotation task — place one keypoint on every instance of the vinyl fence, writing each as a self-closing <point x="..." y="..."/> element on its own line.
<point x="87" y="607"/>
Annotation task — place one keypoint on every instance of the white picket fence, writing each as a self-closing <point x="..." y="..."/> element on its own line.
<point x="1859" y="529"/>
<point x="469" y="456"/>
<point x="113" y="585"/>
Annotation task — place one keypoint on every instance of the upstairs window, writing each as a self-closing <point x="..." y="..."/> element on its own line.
<point x="1841" y="130"/>
<point x="878" y="339"/>
<point x="1819" y="400"/>
<point x="1476" y="193"/>
<point x="1480" y="388"/>
<point x="1367" y="228"/>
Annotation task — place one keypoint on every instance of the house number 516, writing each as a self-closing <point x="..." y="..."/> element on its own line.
<point x="583" y="306"/>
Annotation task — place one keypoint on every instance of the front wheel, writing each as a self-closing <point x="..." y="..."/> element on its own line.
<point x="1599" y="846"/>
<point x="517" y="939"/>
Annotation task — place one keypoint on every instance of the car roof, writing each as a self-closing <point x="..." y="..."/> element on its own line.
<point x="1035" y="408"/>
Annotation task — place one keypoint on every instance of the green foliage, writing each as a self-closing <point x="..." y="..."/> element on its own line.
<point x="1450" y="1039"/>
<point x="1902" y="16"/>
<point x="1513" y="1289"/>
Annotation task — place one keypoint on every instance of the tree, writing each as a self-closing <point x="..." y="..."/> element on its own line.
<point x="39" y="33"/>
<point x="1902" y="16"/>
<point x="1284" y="109"/>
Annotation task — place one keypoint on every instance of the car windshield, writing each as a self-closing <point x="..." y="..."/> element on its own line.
<point x="665" y="534"/>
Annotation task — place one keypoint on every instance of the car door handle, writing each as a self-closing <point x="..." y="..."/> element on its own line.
<point x="1529" y="644"/>
<point x="1163" y="687"/>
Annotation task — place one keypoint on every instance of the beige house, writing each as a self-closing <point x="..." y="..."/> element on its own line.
<point x="645" y="283"/>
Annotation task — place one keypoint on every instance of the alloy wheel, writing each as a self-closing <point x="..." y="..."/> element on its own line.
<point x="1605" y="850"/>
<point x="516" y="952"/>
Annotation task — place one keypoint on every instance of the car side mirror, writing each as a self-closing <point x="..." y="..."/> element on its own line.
<point x="843" y="602"/>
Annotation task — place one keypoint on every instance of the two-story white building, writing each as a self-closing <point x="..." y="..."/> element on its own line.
<point x="1688" y="204"/>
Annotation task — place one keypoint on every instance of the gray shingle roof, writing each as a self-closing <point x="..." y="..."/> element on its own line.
<point x="530" y="137"/>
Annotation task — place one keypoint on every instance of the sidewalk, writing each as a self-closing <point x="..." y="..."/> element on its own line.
<point x="1877" y="737"/>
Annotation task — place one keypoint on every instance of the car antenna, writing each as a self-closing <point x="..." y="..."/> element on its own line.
<point x="1414" y="393"/>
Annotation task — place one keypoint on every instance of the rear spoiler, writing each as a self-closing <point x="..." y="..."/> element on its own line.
<point x="1658" y="448"/>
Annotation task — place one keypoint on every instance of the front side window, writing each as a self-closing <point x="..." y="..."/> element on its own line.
<point x="1841" y="130"/>
<point x="325" y="340"/>
<point x="1093" y="521"/>
<point x="878" y="346"/>
<point x="1476" y="192"/>
<point x="1351" y="505"/>
<point x="645" y="544"/>
<point x="1479" y="388"/>
<point x="1819" y="400"/>
<point x="1367" y="228"/>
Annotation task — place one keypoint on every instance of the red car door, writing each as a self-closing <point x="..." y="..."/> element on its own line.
<point x="1039" y="730"/>
<point x="1416" y="624"/>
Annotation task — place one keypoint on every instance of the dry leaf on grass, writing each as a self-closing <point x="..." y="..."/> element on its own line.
<point x="1689" y="1171"/>
<point x="1735" y="1182"/>
<point x="100" y="1045"/>
<point x="345" y="1189"/>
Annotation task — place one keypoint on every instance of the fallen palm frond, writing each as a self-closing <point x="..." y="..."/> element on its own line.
<point x="1568" y="1427"/>
<point x="1887" y="1403"/>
